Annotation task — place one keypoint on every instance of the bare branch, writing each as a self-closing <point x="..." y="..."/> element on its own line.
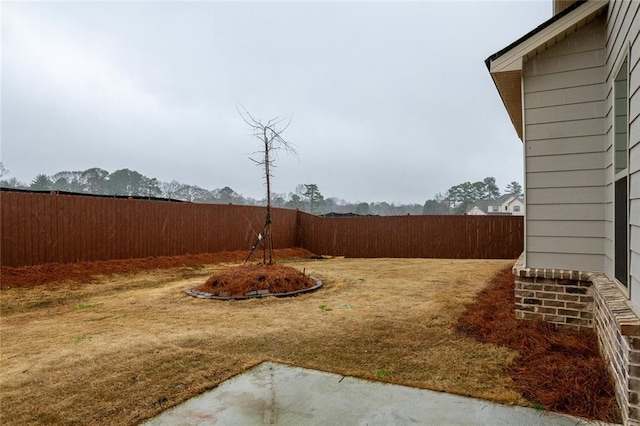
<point x="270" y="135"/>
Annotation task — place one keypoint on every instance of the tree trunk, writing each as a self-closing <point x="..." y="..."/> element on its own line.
<point x="267" y="224"/>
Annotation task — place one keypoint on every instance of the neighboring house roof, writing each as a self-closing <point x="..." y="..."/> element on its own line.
<point x="505" y="65"/>
<point x="480" y="204"/>
<point x="500" y="201"/>
<point x="506" y="198"/>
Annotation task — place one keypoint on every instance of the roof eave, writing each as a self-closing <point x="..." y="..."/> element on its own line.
<point x="506" y="65"/>
<point x="509" y="85"/>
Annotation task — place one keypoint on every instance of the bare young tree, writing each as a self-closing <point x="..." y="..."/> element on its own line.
<point x="269" y="133"/>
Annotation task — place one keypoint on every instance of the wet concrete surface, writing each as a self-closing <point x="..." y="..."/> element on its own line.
<point x="276" y="394"/>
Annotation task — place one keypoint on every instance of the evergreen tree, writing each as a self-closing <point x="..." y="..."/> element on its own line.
<point x="514" y="188"/>
<point x="464" y="194"/>
<point x="41" y="182"/>
<point x="491" y="190"/>
<point x="312" y="193"/>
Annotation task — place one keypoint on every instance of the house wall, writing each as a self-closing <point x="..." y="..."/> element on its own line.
<point x="518" y="203"/>
<point x="567" y="276"/>
<point x="622" y="37"/>
<point x="564" y="112"/>
<point x="505" y="206"/>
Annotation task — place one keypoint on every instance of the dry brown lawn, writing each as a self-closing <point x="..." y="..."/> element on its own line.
<point x="122" y="348"/>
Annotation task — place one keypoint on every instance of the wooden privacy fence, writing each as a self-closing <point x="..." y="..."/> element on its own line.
<point x="45" y="228"/>
<point x="445" y="237"/>
<point x="49" y="227"/>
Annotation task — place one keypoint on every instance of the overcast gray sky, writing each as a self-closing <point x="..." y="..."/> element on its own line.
<point x="390" y="101"/>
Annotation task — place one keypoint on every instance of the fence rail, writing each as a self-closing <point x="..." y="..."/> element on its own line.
<point x="46" y="228"/>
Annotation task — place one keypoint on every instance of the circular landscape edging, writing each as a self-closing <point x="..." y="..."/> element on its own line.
<point x="255" y="294"/>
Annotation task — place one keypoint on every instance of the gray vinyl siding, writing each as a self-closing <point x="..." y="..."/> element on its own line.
<point x="575" y="145"/>
<point x="623" y="39"/>
<point x="564" y="212"/>
<point x="593" y="246"/>
<point x="550" y="163"/>
<point x="564" y="79"/>
<point x="564" y="178"/>
<point x="578" y="262"/>
<point x="564" y="108"/>
<point x="586" y="195"/>
<point x="583" y="228"/>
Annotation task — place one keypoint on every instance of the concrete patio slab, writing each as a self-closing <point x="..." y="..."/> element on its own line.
<point x="272" y="393"/>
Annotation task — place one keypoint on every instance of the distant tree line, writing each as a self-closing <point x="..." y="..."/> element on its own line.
<point x="305" y="197"/>
<point x="126" y="182"/>
<point x="459" y="197"/>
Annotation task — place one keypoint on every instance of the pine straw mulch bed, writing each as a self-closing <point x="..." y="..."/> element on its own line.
<point x="558" y="369"/>
<point x="29" y="276"/>
<point x="244" y="279"/>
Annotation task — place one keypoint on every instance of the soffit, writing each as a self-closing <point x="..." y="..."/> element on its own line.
<point x="506" y="65"/>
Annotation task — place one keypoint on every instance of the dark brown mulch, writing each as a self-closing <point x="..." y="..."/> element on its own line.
<point x="559" y="369"/>
<point x="240" y="280"/>
<point x="29" y="276"/>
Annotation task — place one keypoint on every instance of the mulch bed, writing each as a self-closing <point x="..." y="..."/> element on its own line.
<point x="559" y="369"/>
<point x="29" y="276"/>
<point x="246" y="279"/>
